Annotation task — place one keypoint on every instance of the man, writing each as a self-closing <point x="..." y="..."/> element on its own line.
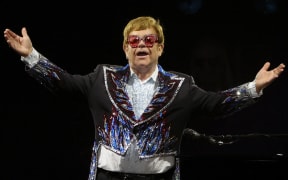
<point x="139" y="110"/>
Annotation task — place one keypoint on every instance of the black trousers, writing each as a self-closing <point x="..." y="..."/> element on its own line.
<point x="108" y="175"/>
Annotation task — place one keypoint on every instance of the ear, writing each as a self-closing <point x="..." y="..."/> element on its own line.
<point x="125" y="49"/>
<point x="160" y="49"/>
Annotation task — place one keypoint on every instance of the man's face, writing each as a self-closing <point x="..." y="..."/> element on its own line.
<point x="142" y="49"/>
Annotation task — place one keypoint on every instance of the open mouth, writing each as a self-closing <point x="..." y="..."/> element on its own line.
<point x="142" y="53"/>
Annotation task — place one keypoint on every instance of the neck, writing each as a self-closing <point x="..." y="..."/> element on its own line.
<point x="144" y="72"/>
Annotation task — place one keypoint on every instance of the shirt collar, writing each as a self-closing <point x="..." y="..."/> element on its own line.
<point x="153" y="76"/>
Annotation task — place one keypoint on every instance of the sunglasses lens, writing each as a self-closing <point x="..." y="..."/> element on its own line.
<point x="133" y="41"/>
<point x="150" y="40"/>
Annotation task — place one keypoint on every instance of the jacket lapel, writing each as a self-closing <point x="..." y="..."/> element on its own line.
<point x="116" y="78"/>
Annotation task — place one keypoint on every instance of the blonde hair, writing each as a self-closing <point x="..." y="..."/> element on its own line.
<point x="142" y="23"/>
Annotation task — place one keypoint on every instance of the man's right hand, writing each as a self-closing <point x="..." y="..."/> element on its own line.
<point x="21" y="44"/>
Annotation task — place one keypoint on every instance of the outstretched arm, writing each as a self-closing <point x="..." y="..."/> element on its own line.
<point x="21" y="44"/>
<point x="265" y="76"/>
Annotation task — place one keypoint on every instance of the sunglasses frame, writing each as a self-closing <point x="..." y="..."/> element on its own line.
<point x="145" y="40"/>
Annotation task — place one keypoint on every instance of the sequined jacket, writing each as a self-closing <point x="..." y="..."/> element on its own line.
<point x="159" y="129"/>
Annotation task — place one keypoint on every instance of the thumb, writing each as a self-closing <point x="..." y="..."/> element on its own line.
<point x="266" y="66"/>
<point x="24" y="32"/>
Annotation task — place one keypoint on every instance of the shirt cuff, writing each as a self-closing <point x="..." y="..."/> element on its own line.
<point x="31" y="59"/>
<point x="252" y="89"/>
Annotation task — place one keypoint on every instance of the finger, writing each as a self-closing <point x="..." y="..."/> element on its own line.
<point x="24" y="32"/>
<point x="10" y="33"/>
<point x="7" y="35"/>
<point x="266" y="66"/>
<point x="282" y="66"/>
<point x="278" y="70"/>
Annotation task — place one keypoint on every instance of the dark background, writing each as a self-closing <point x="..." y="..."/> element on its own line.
<point x="44" y="137"/>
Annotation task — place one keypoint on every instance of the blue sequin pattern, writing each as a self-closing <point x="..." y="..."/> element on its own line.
<point x="94" y="162"/>
<point x="237" y="98"/>
<point x="45" y="72"/>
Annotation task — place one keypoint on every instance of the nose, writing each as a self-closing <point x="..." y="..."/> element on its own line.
<point x="141" y="43"/>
